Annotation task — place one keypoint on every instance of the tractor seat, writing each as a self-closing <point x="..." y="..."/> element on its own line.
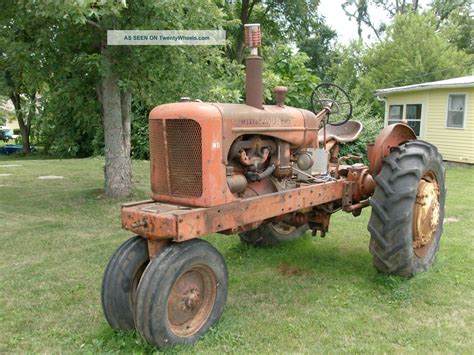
<point x="348" y="132"/>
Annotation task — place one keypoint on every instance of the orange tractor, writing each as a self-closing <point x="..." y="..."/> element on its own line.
<point x="269" y="173"/>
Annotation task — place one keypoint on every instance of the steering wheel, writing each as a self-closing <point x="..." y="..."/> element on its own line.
<point x="326" y="95"/>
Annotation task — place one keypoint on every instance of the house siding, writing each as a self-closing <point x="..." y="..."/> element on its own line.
<point x="455" y="144"/>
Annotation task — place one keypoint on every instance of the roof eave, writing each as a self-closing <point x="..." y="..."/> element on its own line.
<point x="419" y="88"/>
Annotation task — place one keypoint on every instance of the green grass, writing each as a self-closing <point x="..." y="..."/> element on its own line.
<point x="311" y="295"/>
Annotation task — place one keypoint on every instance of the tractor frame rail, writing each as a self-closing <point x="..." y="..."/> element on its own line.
<point x="160" y="221"/>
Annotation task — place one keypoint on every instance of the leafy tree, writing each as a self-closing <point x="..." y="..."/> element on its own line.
<point x="412" y="52"/>
<point x="347" y="67"/>
<point x="289" y="20"/>
<point x="320" y="49"/>
<point x="70" y="125"/>
<point x="6" y="115"/>
<point x="124" y="71"/>
<point x="289" y="69"/>
<point x="21" y="65"/>
<point x="443" y="9"/>
<point x="458" y="28"/>
<point x="359" y="10"/>
<point x="398" y="7"/>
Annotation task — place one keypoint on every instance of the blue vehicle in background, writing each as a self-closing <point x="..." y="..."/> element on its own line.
<point x="6" y="133"/>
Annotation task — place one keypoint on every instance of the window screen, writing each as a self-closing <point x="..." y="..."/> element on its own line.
<point x="414" y="118"/>
<point x="395" y="113"/>
<point x="456" y="109"/>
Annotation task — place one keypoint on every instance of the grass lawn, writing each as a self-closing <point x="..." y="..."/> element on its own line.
<point x="310" y="295"/>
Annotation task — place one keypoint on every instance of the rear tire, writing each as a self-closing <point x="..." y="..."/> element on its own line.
<point x="271" y="234"/>
<point x="120" y="281"/>
<point x="406" y="222"/>
<point x="182" y="293"/>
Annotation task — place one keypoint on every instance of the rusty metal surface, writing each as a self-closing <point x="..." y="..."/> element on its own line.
<point x="357" y="207"/>
<point x="161" y="221"/>
<point x="142" y="219"/>
<point x="254" y="81"/>
<point x="320" y="222"/>
<point x="296" y="126"/>
<point x="364" y="184"/>
<point x="221" y="125"/>
<point x="391" y="136"/>
<point x="184" y="165"/>
<point x="312" y="123"/>
<point x="191" y="300"/>
<point x="347" y="194"/>
<point x="155" y="246"/>
<point x="259" y="188"/>
<point x="158" y="158"/>
<point x="184" y="142"/>
<point x="176" y="157"/>
<point x="345" y="133"/>
<point x="280" y="95"/>
<point x="134" y="203"/>
<point x="426" y="215"/>
<point x="257" y="147"/>
<point x="237" y="183"/>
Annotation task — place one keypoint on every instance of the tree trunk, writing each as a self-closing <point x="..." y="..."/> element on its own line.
<point x="25" y="135"/>
<point x="415" y="5"/>
<point x="24" y="126"/>
<point x="116" y="107"/>
<point x="239" y="56"/>
<point x="126" y="107"/>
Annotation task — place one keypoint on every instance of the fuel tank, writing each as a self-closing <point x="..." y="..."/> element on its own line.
<point x="190" y="141"/>
<point x="296" y="126"/>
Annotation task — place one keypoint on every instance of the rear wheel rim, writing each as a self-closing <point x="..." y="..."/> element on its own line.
<point x="283" y="228"/>
<point x="426" y="217"/>
<point x="191" y="300"/>
<point x="135" y="281"/>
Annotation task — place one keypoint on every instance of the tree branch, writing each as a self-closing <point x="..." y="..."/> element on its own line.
<point x="95" y="25"/>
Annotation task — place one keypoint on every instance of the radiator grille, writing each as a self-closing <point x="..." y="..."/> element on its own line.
<point x="176" y="157"/>
<point x="158" y="166"/>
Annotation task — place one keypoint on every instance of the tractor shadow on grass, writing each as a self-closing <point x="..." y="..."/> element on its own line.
<point x="310" y="257"/>
<point x="304" y="256"/>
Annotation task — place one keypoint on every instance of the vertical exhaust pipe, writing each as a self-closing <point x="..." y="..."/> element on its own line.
<point x="253" y="67"/>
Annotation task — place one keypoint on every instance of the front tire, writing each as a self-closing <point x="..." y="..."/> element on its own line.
<point x="120" y="281"/>
<point x="271" y="234"/>
<point x="182" y="293"/>
<point x="406" y="222"/>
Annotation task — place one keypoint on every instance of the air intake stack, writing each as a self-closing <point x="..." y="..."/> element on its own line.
<point x="253" y="67"/>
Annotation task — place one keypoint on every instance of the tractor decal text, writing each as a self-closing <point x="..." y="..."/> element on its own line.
<point x="265" y="121"/>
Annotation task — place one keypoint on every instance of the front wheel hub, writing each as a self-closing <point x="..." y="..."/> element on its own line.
<point x="191" y="300"/>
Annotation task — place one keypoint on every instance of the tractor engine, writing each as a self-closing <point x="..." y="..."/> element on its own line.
<point x="209" y="154"/>
<point x="206" y="154"/>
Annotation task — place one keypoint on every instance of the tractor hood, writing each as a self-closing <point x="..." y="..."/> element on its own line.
<point x="297" y="126"/>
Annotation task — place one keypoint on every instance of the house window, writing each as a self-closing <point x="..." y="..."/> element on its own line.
<point x="414" y="118"/>
<point x="456" y="109"/>
<point x="395" y="113"/>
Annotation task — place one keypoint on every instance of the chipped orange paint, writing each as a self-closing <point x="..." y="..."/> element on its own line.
<point x="391" y="136"/>
<point x="221" y="125"/>
<point x="155" y="220"/>
<point x="214" y="184"/>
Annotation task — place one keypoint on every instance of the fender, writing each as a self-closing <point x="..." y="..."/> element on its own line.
<point x="391" y="136"/>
